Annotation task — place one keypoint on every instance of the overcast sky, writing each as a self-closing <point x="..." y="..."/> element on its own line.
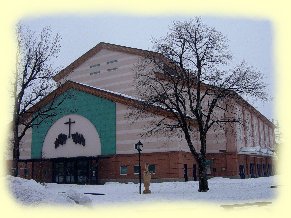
<point x="249" y="39"/>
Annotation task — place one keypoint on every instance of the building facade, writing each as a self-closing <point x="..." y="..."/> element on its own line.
<point x="91" y="139"/>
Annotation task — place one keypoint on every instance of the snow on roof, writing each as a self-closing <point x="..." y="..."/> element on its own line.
<point x="257" y="150"/>
<point x="129" y="97"/>
<point x="109" y="91"/>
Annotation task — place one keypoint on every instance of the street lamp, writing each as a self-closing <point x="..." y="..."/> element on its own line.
<point x="138" y="148"/>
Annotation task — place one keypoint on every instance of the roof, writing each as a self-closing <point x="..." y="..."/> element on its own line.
<point x="240" y="100"/>
<point x="102" y="45"/>
<point x="106" y="94"/>
<point x="134" y="51"/>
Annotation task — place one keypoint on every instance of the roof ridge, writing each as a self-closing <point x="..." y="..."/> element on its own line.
<point x="124" y="46"/>
<point x="91" y="52"/>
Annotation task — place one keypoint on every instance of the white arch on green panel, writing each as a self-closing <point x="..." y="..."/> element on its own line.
<point x="69" y="126"/>
<point x="101" y="113"/>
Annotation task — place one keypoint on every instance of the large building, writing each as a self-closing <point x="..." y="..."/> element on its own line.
<point x="91" y="139"/>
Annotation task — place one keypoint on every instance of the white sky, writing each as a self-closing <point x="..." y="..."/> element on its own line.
<point x="249" y="39"/>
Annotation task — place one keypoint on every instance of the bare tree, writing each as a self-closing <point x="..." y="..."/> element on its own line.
<point x="34" y="72"/>
<point x="188" y="75"/>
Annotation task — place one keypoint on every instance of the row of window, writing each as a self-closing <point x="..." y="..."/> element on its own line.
<point x="108" y="62"/>
<point x="97" y="72"/>
<point x="97" y="65"/>
<point x="124" y="169"/>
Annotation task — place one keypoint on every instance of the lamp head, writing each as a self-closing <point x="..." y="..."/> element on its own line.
<point x="138" y="146"/>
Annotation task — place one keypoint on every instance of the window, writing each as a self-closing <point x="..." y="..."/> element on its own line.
<point x="25" y="170"/>
<point x="94" y="65"/>
<point x="94" y="73"/>
<point x="152" y="168"/>
<point x="208" y="170"/>
<point x="111" y="62"/>
<point x="112" y="69"/>
<point x="136" y="169"/>
<point x="123" y="170"/>
<point x="208" y="166"/>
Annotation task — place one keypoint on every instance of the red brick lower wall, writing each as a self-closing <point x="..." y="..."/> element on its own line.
<point x="168" y="166"/>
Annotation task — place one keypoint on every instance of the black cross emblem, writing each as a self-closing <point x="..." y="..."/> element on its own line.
<point x="70" y="123"/>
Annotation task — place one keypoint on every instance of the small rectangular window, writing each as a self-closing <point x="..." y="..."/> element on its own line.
<point x="136" y="169"/>
<point x="94" y="65"/>
<point x="123" y="170"/>
<point x="94" y="73"/>
<point x="111" y="62"/>
<point x="152" y="168"/>
<point x="25" y="172"/>
<point x="208" y="169"/>
<point x="111" y="69"/>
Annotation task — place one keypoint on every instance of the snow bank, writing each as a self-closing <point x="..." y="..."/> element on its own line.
<point x="79" y="198"/>
<point x="221" y="191"/>
<point x="29" y="192"/>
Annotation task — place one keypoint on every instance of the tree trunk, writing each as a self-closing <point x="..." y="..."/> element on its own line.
<point x="203" y="183"/>
<point x="15" y="142"/>
<point x="15" y="157"/>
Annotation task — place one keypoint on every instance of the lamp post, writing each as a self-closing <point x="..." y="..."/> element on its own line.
<point x="138" y="148"/>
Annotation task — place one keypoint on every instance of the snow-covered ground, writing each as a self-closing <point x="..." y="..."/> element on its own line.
<point x="222" y="191"/>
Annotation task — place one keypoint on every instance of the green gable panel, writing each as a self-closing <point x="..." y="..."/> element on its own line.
<point x="101" y="113"/>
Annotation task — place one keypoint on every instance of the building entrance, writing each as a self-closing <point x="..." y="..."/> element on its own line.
<point x="75" y="170"/>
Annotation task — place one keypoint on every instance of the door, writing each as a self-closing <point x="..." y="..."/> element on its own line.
<point x="269" y="170"/>
<point x="93" y="179"/>
<point x="74" y="170"/>
<point x="252" y="170"/>
<point x="185" y="173"/>
<point x="194" y="172"/>
<point x="242" y="171"/>
<point x="59" y="172"/>
<point x="259" y="170"/>
<point x="70" y="172"/>
<point x="82" y="171"/>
